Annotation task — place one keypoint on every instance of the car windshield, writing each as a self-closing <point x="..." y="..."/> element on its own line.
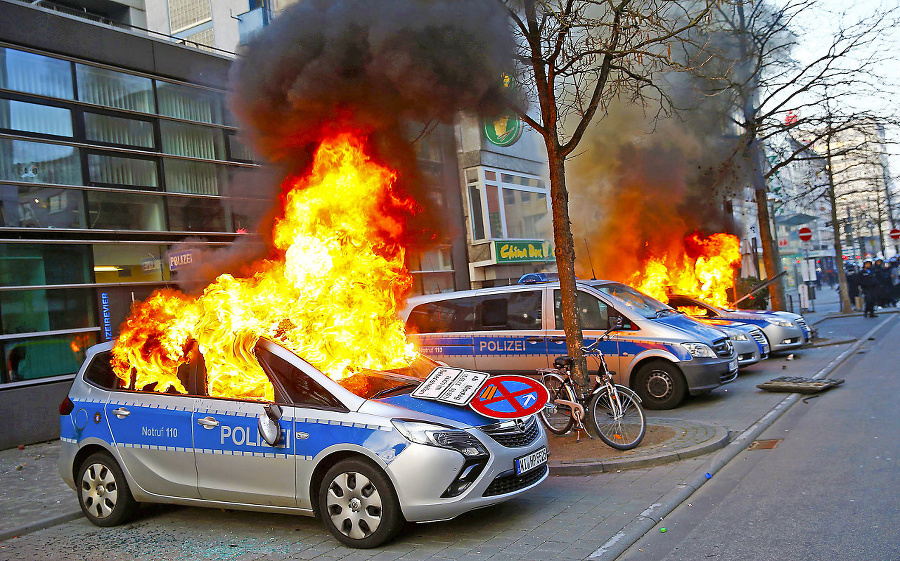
<point x="373" y="384"/>
<point x="637" y="301"/>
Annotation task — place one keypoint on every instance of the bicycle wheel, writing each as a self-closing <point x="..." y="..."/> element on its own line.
<point x="558" y="419"/>
<point x="622" y="432"/>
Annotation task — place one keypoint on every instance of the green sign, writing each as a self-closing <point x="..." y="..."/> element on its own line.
<point x="504" y="130"/>
<point x="520" y="251"/>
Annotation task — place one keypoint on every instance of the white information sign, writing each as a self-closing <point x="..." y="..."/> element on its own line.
<point x="804" y="297"/>
<point x="808" y="270"/>
<point x="451" y="385"/>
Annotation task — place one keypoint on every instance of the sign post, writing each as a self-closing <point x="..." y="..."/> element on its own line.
<point x="807" y="271"/>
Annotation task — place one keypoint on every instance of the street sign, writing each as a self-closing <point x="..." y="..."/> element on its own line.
<point x="805" y="234"/>
<point x="895" y="234"/>
<point x="510" y="397"/>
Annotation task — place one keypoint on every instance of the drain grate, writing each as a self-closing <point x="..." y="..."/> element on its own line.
<point x="765" y="444"/>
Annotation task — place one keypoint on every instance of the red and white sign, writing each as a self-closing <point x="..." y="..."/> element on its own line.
<point x="805" y="234"/>
<point x="510" y="397"/>
<point x="895" y="234"/>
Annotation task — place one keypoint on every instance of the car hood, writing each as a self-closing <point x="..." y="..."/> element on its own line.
<point x="405" y="406"/>
<point x="691" y="326"/>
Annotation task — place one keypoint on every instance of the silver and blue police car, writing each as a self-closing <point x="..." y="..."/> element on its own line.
<point x="363" y="454"/>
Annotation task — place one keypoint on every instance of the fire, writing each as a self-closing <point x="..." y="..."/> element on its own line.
<point x="331" y="297"/>
<point x="705" y="270"/>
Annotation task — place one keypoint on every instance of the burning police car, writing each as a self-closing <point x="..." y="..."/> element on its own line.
<point x="362" y="454"/>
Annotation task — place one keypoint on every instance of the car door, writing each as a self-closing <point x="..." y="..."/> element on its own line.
<point x="509" y="332"/>
<point x="594" y="315"/>
<point x="443" y="330"/>
<point x="234" y="463"/>
<point x="152" y="434"/>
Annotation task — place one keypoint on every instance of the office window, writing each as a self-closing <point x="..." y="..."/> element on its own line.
<point x="195" y="178"/>
<point x="40" y="264"/>
<point x="118" y="130"/>
<point x="42" y="357"/>
<point x="35" y="74"/>
<point x="192" y="104"/>
<point x="187" y="13"/>
<point x="130" y="263"/>
<point x="238" y="150"/>
<point x="116" y="170"/>
<point x="495" y="219"/>
<point x="39" y="162"/>
<point x="526" y="214"/>
<point x="114" y="89"/>
<point x="28" y="311"/>
<point x="196" y="215"/>
<point x="36" y="118"/>
<point x="40" y="207"/>
<point x="125" y="211"/>
<point x="195" y="141"/>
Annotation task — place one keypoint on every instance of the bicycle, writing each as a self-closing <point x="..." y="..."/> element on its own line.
<point x="614" y="410"/>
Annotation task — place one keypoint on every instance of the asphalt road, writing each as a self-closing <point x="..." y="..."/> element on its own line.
<point x="829" y="490"/>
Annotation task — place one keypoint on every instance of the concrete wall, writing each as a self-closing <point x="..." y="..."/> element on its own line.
<point x="31" y="413"/>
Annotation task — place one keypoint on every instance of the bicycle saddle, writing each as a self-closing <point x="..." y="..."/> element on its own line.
<point x="562" y="361"/>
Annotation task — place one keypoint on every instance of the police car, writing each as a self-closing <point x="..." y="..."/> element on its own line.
<point x="363" y="455"/>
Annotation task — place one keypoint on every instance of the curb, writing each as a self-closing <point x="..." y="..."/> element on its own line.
<point x="645" y="521"/>
<point x="40" y="525"/>
<point x="719" y="440"/>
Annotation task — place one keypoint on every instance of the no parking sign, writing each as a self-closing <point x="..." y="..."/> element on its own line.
<point x="509" y="397"/>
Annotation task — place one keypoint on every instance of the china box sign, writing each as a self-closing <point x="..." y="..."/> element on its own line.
<point x="520" y="251"/>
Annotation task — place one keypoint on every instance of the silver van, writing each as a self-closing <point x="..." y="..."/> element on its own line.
<point x="660" y="353"/>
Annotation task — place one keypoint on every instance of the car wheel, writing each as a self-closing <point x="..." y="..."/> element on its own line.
<point x="660" y="385"/>
<point x="103" y="492"/>
<point x="359" y="505"/>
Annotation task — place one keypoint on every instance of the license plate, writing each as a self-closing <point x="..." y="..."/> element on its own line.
<point x="531" y="461"/>
<point x="733" y="365"/>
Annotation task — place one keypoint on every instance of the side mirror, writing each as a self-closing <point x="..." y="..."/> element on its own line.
<point x="615" y="323"/>
<point x="269" y="428"/>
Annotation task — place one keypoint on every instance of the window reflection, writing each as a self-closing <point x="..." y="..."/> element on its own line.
<point x="192" y="140"/>
<point x="118" y="130"/>
<point x="35" y="74"/>
<point x="28" y="311"/>
<point x="129" y="263"/>
<point x="33" y="264"/>
<point x="196" y="178"/>
<point x="41" y="357"/>
<point x="115" y="170"/>
<point x="192" y="104"/>
<point x="125" y="211"/>
<point x="39" y="162"/>
<point x="36" y="118"/>
<point x="196" y="215"/>
<point x="526" y="214"/>
<point x="40" y="207"/>
<point x="114" y="89"/>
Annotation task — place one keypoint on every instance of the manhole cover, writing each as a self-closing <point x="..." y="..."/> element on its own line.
<point x="766" y="444"/>
<point x="798" y="384"/>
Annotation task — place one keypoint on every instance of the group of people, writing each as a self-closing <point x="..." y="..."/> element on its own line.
<point x="878" y="281"/>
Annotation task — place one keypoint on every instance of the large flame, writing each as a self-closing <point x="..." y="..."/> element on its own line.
<point x="332" y="299"/>
<point x="705" y="270"/>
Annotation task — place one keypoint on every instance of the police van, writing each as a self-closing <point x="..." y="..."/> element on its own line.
<point x="659" y="352"/>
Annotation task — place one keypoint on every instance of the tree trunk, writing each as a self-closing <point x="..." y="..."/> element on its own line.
<point x="770" y="252"/>
<point x="846" y="307"/>
<point x="565" y="263"/>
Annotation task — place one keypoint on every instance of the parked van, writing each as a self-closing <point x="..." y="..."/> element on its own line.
<point x="660" y="353"/>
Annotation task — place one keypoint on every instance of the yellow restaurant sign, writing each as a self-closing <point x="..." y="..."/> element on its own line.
<point x="520" y="251"/>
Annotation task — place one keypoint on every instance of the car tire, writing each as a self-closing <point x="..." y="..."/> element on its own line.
<point x="660" y="385"/>
<point x="103" y="492"/>
<point x="358" y="504"/>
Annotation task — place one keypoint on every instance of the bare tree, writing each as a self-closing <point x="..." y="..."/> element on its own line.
<point x="574" y="57"/>
<point x="772" y="93"/>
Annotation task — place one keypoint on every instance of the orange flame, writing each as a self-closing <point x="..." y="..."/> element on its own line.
<point x="332" y="299"/>
<point x="705" y="270"/>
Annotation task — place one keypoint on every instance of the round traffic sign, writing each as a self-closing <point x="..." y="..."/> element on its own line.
<point x="895" y="234"/>
<point x="805" y="234"/>
<point x="509" y="397"/>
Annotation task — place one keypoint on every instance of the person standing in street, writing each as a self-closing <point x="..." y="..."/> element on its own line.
<point x="868" y="282"/>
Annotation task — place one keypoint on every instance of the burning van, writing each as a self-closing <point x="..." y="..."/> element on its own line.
<point x="360" y="453"/>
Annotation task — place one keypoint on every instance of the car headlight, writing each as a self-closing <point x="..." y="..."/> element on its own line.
<point x="780" y="322"/>
<point x="442" y="437"/>
<point x="699" y="350"/>
<point x="738" y="337"/>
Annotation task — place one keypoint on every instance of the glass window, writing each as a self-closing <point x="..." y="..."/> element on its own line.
<point x="27" y="311"/>
<point x="118" y="130"/>
<point x="526" y="214"/>
<point x="129" y="263"/>
<point x="114" y="89"/>
<point x="477" y="216"/>
<point x="437" y="259"/>
<point x="302" y="390"/>
<point x="195" y="141"/>
<point x="125" y="211"/>
<point x="116" y="170"/>
<point x="238" y="150"/>
<point x="196" y="215"/>
<point x="36" y="118"/>
<point x="637" y="301"/>
<point x="39" y="162"/>
<point x="443" y="316"/>
<point x="100" y="373"/>
<point x="41" y="207"/>
<point x="188" y="13"/>
<point x="494" y="218"/>
<point x="516" y="310"/>
<point x="34" y="264"/>
<point x="195" y="178"/>
<point x="35" y="74"/>
<point x="594" y="313"/>
<point x="42" y="357"/>
<point x="192" y="104"/>
<point x="432" y="283"/>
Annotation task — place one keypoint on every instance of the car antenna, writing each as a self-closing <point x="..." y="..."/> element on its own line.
<point x="593" y="274"/>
